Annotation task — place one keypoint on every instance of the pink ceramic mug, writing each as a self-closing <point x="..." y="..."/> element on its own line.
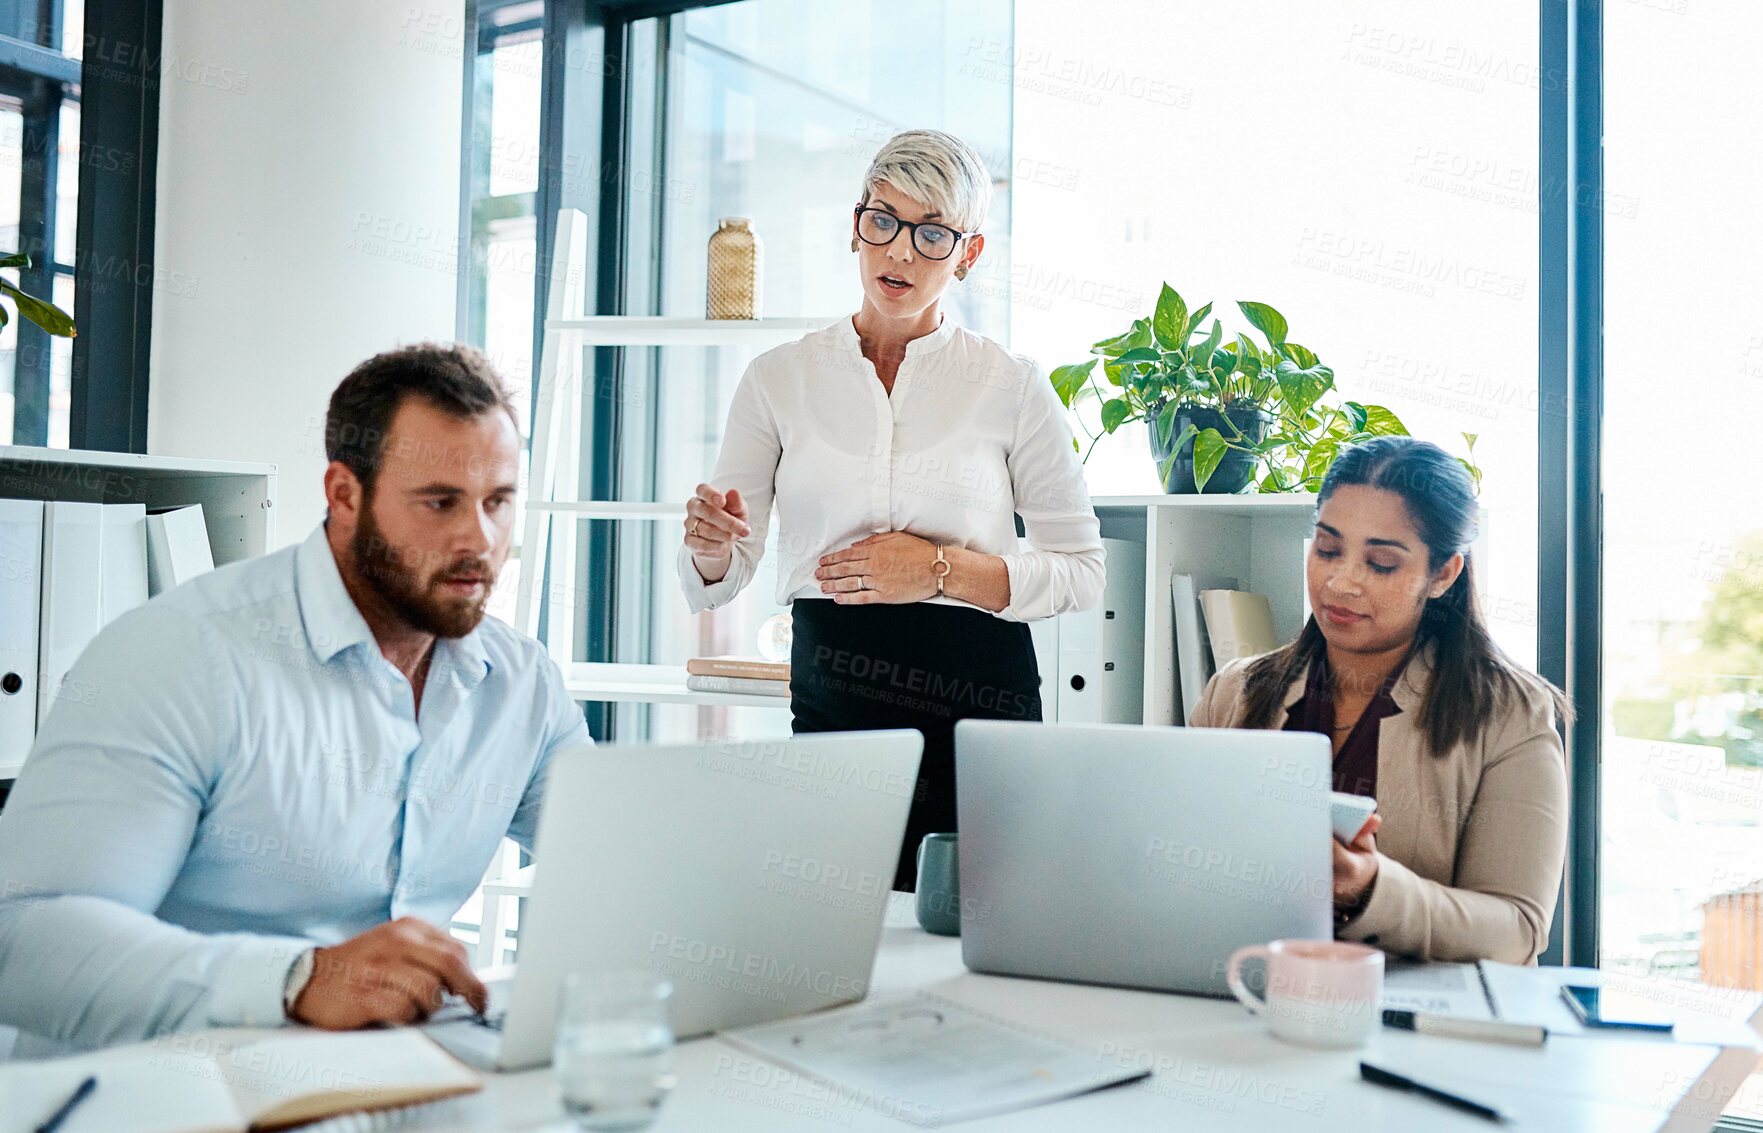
<point x="1319" y="992"/>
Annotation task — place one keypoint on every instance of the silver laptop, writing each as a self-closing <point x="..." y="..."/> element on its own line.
<point x="1138" y="856"/>
<point x="754" y="876"/>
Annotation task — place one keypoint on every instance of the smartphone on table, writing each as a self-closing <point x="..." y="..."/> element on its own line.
<point x="1607" y="1010"/>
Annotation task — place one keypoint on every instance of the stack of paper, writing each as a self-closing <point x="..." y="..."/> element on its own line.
<point x="1700" y="1013"/>
<point x="929" y="1061"/>
<point x="1457" y="990"/>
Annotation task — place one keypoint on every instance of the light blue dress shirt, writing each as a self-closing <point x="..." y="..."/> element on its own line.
<point x="234" y="773"/>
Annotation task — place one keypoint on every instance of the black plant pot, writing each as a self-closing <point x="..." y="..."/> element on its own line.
<point x="1234" y="471"/>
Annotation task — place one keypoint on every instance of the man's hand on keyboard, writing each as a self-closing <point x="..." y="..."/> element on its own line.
<point x="393" y="973"/>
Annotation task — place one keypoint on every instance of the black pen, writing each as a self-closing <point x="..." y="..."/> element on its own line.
<point x="80" y="1094"/>
<point x="1396" y="1081"/>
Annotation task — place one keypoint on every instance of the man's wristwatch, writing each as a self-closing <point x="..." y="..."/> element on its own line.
<point x="298" y="977"/>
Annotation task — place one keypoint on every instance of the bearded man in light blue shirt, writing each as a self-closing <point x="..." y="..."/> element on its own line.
<point x="280" y="780"/>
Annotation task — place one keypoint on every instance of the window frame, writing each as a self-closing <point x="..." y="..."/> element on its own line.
<point x="484" y="33"/>
<point x="1570" y="386"/>
<point x="115" y="257"/>
<point x="40" y="78"/>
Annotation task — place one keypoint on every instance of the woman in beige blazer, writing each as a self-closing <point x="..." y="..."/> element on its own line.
<point x="1455" y="740"/>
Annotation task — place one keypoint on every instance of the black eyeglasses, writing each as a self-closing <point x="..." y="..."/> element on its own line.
<point x="932" y="241"/>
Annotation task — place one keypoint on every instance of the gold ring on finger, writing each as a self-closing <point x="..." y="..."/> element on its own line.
<point x="693" y="529"/>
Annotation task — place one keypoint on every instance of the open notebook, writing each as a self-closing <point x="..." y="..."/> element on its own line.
<point x="234" y="1081"/>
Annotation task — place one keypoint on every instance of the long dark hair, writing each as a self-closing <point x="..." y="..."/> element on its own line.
<point x="1472" y="677"/>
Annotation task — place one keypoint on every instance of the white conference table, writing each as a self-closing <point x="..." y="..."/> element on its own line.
<point x="1216" y="1067"/>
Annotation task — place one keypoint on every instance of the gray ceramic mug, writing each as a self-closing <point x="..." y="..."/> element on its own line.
<point x="939" y="885"/>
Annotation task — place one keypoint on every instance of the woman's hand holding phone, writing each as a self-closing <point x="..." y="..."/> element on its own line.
<point x="1355" y="865"/>
<point x="1348" y="814"/>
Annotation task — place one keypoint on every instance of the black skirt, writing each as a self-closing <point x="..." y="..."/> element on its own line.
<point x="918" y="666"/>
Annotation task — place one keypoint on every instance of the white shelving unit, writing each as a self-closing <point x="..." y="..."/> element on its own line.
<point x="651" y="684"/>
<point x="557" y="433"/>
<point x="237" y="499"/>
<point x="1257" y="540"/>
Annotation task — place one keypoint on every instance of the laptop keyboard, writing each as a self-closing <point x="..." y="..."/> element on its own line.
<point x="454" y="1009"/>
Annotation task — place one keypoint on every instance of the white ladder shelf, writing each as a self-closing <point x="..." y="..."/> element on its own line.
<point x="554" y="482"/>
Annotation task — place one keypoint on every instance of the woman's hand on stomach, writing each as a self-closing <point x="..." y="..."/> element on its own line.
<point x="892" y="568"/>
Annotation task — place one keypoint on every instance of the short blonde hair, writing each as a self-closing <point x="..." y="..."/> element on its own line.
<point x="937" y="169"/>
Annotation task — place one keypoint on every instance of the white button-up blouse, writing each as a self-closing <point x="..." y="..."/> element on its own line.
<point x="971" y="437"/>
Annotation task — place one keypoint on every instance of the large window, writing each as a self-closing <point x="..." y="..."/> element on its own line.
<point x="1394" y="222"/>
<point x="39" y="185"/>
<point x="1369" y="169"/>
<point x="1682" y="814"/>
<point x="772" y="110"/>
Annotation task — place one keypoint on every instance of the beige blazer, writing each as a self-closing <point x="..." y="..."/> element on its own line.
<point x="1473" y="842"/>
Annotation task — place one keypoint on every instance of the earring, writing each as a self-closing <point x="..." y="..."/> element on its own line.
<point x="961" y="272"/>
<point x="853" y="243"/>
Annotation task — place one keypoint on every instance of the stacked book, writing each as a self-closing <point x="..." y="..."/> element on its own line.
<point x="749" y="675"/>
<point x="1215" y="624"/>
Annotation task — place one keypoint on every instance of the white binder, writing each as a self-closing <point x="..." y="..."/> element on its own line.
<point x="177" y="548"/>
<point x="1102" y="649"/>
<point x="21" y="567"/>
<point x="1193" y="652"/>
<point x="73" y="546"/>
<point x="124" y="582"/>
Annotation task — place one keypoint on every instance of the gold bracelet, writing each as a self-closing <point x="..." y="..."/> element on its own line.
<point x="941" y="574"/>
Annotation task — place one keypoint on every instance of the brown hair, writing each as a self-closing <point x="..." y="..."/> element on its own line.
<point x="1472" y="677"/>
<point x="452" y="377"/>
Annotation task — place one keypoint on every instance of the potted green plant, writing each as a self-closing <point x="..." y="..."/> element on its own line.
<point x="1223" y="416"/>
<point x="1161" y="373"/>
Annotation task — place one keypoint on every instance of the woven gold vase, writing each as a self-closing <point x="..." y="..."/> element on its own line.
<point x="734" y="272"/>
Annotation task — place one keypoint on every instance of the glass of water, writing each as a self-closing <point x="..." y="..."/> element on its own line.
<point x="614" y="1052"/>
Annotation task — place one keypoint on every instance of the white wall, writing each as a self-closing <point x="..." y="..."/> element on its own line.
<point x="308" y="205"/>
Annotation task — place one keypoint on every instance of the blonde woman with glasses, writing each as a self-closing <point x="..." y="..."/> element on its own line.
<point x="897" y="450"/>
